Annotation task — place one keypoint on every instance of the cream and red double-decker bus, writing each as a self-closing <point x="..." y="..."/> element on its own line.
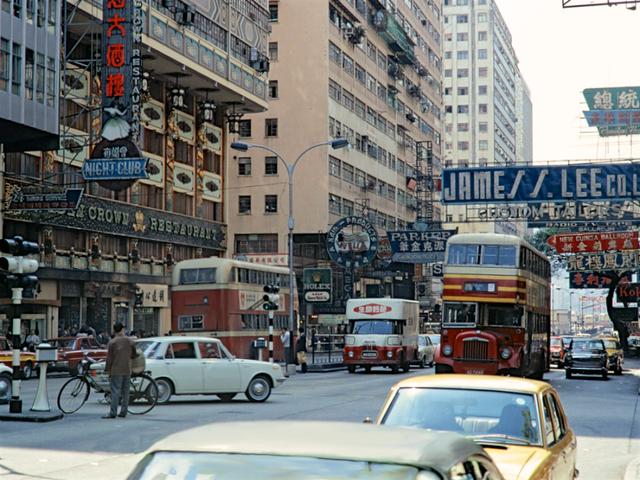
<point x="496" y="307"/>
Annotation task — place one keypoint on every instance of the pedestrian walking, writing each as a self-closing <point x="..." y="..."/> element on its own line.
<point x="285" y="338"/>
<point x="301" y="351"/>
<point x="121" y="350"/>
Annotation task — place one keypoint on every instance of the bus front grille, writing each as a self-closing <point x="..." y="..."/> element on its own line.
<point x="476" y="349"/>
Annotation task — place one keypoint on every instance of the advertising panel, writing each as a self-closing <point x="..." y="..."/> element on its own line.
<point x="592" y="279"/>
<point x="628" y="292"/>
<point x="611" y="181"/>
<point x="594" y="242"/>
<point x="317" y="284"/>
<point x="352" y="242"/>
<point x="600" y="262"/>
<point x="411" y="246"/>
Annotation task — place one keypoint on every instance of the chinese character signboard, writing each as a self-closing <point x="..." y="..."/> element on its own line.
<point x="24" y="199"/>
<point x="594" y="242"/>
<point x="154" y="295"/>
<point x="419" y="247"/>
<point x="614" y="111"/>
<point x="600" y="262"/>
<point x="610" y="181"/>
<point x="317" y="284"/>
<point x="116" y="161"/>
<point x="591" y="279"/>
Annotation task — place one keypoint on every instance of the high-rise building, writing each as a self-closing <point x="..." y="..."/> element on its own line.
<point x="204" y="65"/>
<point x="481" y="80"/>
<point x="367" y="71"/>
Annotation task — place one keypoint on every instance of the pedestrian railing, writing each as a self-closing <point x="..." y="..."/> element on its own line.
<point x="327" y="349"/>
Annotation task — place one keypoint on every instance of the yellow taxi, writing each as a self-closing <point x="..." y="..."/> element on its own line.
<point x="521" y="423"/>
<point x="614" y="353"/>
<point x="27" y="359"/>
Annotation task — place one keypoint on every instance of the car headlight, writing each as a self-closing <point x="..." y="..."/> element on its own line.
<point x="505" y="353"/>
<point x="276" y="367"/>
<point x="390" y="354"/>
<point x="447" y="350"/>
<point x="351" y="354"/>
<point x="350" y="340"/>
<point x="394" y="341"/>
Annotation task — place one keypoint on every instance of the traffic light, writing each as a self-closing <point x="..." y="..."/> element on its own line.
<point x="271" y="297"/>
<point x="16" y="267"/>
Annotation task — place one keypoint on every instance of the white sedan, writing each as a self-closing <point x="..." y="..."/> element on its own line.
<point x="426" y="351"/>
<point x="203" y="365"/>
<point x="6" y="374"/>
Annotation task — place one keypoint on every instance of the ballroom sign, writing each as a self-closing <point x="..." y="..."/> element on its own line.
<point x="117" y="218"/>
<point x="607" y="181"/>
<point x="594" y="242"/>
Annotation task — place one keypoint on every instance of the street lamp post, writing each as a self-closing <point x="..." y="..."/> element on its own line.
<point x="291" y="167"/>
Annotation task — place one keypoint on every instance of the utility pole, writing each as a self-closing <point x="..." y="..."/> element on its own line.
<point x="272" y="302"/>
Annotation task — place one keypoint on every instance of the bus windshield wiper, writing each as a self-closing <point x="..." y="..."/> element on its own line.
<point x="500" y="436"/>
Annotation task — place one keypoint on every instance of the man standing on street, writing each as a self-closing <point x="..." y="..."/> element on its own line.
<point x="301" y="351"/>
<point x="121" y="350"/>
<point x="285" y="338"/>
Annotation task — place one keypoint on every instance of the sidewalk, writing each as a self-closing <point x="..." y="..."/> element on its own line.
<point x="319" y="362"/>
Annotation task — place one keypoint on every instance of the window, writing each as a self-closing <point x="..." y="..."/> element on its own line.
<point x="548" y="424"/>
<point x="447" y="55"/>
<point x="463" y="127"/>
<point x="29" y="67"/>
<point x="335" y="91"/>
<point x="557" y="414"/>
<point x="482" y="90"/>
<point x="271" y="127"/>
<point x="256" y="243"/>
<point x="483" y="145"/>
<point x="447" y="72"/>
<point x="51" y="81"/>
<point x="483" y="127"/>
<point x="40" y="13"/>
<point x="182" y="203"/>
<point x="17" y="8"/>
<point x="270" y="165"/>
<point x="463" y="91"/>
<point x="482" y="72"/>
<point x="348" y="174"/>
<point x="462" y="19"/>
<point x="244" y="166"/>
<point x="148" y="196"/>
<point x="483" y="108"/>
<point x="462" y="55"/>
<point x="463" y="145"/>
<point x="334" y="204"/>
<point x="192" y="276"/>
<point x="462" y="72"/>
<point x="360" y="74"/>
<point x="244" y="128"/>
<point x="31" y="7"/>
<point x="463" y="108"/>
<point x="347" y="64"/>
<point x="482" y="54"/>
<point x="347" y="207"/>
<point x="273" y="12"/>
<point x="482" y="36"/>
<point x="270" y="204"/>
<point x="334" y="166"/>
<point x="16" y="69"/>
<point x="334" y="53"/>
<point x="462" y="36"/>
<point x="186" y="349"/>
<point x="482" y="18"/>
<point x="244" y="204"/>
<point x="53" y="10"/>
<point x="273" y="89"/>
<point x="40" y="69"/>
<point x="5" y="56"/>
<point x="210" y="349"/>
<point x="273" y="51"/>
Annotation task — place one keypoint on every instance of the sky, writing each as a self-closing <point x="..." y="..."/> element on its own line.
<point x="562" y="51"/>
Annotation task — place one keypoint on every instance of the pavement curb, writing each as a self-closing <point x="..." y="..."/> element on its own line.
<point x="34" y="417"/>
<point x="632" y="472"/>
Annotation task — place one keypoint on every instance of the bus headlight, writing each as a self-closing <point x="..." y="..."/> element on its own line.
<point x="505" y="353"/>
<point x="390" y="354"/>
<point x="447" y="350"/>
<point x="351" y="354"/>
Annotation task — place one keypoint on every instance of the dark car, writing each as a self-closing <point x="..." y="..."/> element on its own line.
<point x="588" y="356"/>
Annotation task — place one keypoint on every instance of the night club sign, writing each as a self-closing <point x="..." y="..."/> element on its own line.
<point x="116" y="160"/>
<point x="352" y="242"/>
<point x="597" y="182"/>
<point x="594" y="242"/>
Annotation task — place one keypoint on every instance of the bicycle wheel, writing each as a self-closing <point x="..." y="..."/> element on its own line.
<point x="73" y="394"/>
<point x="143" y="394"/>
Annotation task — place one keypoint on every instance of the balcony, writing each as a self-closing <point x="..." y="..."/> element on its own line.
<point x="392" y="32"/>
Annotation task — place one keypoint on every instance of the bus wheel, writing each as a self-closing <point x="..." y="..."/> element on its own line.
<point x="351" y="368"/>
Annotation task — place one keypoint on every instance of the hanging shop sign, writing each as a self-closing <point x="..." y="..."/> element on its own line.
<point x="599" y="262"/>
<point x="610" y="181"/>
<point x="116" y="161"/>
<point x="352" y="242"/>
<point x="29" y="199"/>
<point x="614" y="111"/>
<point x="410" y="246"/>
<point x="592" y="279"/>
<point x="628" y="292"/>
<point x="594" y="242"/>
<point x="317" y="284"/>
<point x="116" y="218"/>
<point x="154" y="295"/>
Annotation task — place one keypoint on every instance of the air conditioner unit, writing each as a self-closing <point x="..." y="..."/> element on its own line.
<point x="414" y="91"/>
<point x="349" y="32"/>
<point x="411" y="117"/>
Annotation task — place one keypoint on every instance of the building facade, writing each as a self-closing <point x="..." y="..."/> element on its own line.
<point x="367" y="71"/>
<point x="110" y="258"/>
<point x="481" y="95"/>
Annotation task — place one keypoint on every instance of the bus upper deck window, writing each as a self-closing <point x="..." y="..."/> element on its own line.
<point x="507" y="255"/>
<point x="490" y="255"/>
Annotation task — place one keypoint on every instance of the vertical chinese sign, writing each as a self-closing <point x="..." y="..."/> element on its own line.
<point x="116" y="161"/>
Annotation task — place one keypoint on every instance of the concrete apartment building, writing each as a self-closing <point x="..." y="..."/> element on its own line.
<point x="368" y="71"/>
<point x="488" y="112"/>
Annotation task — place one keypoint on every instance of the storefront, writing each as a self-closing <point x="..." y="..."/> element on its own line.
<point x="153" y="316"/>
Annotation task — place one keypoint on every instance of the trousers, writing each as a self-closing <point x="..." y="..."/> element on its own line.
<point x="119" y="393"/>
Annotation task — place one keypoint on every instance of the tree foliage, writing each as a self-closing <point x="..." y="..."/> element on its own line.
<point x="539" y="241"/>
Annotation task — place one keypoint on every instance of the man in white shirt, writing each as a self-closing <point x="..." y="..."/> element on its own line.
<point x="285" y="337"/>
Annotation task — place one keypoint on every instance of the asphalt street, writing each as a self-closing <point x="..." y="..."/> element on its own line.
<point x="603" y="414"/>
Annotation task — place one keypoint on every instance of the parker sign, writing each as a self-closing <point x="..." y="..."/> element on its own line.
<point x="611" y="181"/>
<point x="412" y="246"/>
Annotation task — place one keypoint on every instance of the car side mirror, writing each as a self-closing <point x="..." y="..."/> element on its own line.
<point x="367" y="420"/>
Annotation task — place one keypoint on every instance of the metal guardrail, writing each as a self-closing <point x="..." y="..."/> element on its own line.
<point x="326" y="349"/>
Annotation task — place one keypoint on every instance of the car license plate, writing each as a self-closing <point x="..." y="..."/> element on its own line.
<point x="476" y="371"/>
<point x="369" y="354"/>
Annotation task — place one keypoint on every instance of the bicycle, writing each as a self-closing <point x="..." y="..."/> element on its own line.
<point x="143" y="391"/>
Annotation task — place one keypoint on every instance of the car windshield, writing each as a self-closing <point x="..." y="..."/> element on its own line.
<point x="224" y="466"/>
<point x="556" y="342"/>
<point x="610" y="344"/>
<point x="375" y="327"/>
<point x="504" y="417"/>
<point x="435" y="339"/>
<point x="150" y="348"/>
<point x="586" y="345"/>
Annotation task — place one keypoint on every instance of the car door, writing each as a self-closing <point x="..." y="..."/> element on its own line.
<point x="184" y="367"/>
<point x="556" y="463"/>
<point x="221" y="373"/>
<point x="430" y="349"/>
<point x="566" y="442"/>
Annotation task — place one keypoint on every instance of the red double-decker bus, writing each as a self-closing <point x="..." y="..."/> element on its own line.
<point x="496" y="307"/>
<point x="223" y="298"/>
